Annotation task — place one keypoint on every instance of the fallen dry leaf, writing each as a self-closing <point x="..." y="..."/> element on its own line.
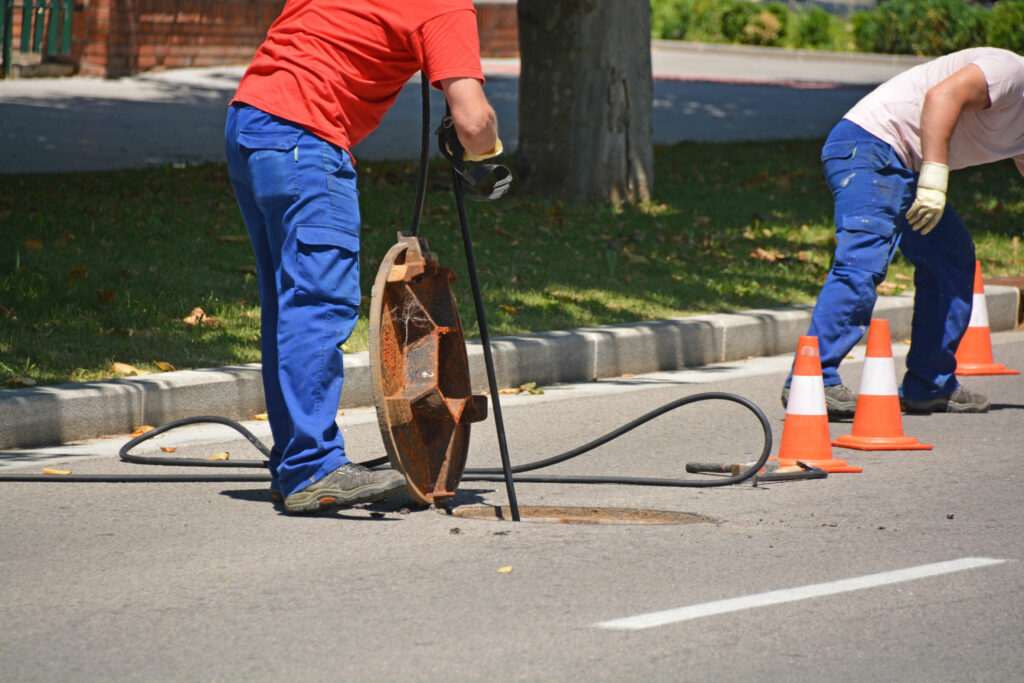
<point x="505" y="570"/>
<point x="164" y="365"/>
<point x="124" y="369"/>
<point x="231" y="239"/>
<point x="769" y="255"/>
<point x="528" y="388"/>
<point x="50" y="470"/>
<point x="20" y="382"/>
<point x="634" y="258"/>
<point x="106" y="296"/>
<point x="759" y="178"/>
<point x="223" y="455"/>
<point x="139" y="431"/>
<point x="198" y="317"/>
<point x="195" y="317"/>
<point x="32" y="244"/>
<point x="260" y="416"/>
<point x="168" y="449"/>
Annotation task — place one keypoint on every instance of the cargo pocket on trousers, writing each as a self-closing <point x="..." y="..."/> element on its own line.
<point x="278" y="139"/>
<point x="327" y="263"/>
<point x="865" y="242"/>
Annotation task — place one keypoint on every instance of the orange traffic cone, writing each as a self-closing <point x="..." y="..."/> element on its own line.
<point x="877" y="425"/>
<point x="974" y="355"/>
<point x="805" y="435"/>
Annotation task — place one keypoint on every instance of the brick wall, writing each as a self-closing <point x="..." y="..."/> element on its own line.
<point x="113" y="38"/>
<point x="122" y="37"/>
<point x="499" y="33"/>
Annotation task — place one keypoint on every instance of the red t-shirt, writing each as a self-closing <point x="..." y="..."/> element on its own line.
<point x="336" y="66"/>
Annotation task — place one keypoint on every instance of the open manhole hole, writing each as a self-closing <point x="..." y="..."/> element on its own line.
<point x="577" y="515"/>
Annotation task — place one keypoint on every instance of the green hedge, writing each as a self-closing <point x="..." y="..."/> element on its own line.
<point x="918" y="27"/>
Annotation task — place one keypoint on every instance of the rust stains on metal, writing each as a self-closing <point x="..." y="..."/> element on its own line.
<point x="420" y="372"/>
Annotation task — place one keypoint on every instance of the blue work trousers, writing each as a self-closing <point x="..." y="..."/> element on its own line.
<point x="298" y="197"/>
<point x="873" y="191"/>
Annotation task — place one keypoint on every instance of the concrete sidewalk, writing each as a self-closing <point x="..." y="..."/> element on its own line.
<point x="702" y="93"/>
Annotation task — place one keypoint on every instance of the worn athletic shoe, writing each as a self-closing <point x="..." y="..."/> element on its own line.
<point x="839" y="400"/>
<point x="350" y="484"/>
<point x="960" y="401"/>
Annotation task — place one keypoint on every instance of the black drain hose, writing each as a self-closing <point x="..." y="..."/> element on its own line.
<point x="480" y="474"/>
<point x="494" y="474"/>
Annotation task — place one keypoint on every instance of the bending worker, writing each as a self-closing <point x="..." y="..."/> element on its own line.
<point x="321" y="82"/>
<point x="887" y="163"/>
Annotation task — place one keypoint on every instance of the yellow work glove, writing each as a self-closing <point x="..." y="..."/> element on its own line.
<point x="495" y="151"/>
<point x="930" y="202"/>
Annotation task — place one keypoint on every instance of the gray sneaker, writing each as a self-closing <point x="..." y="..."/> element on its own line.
<point x="960" y="401"/>
<point x="350" y="484"/>
<point x="839" y="400"/>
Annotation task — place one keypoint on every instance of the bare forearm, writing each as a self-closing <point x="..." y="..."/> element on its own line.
<point x="938" y="119"/>
<point x="966" y="90"/>
<point x="474" y="118"/>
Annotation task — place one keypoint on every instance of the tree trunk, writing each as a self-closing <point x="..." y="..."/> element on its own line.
<point x="585" y="96"/>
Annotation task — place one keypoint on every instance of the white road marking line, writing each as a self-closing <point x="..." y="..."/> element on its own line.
<point x="776" y="597"/>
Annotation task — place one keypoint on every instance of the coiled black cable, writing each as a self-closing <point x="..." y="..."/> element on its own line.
<point x="479" y="474"/>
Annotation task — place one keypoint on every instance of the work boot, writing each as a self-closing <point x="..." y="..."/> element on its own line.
<point x="350" y="484"/>
<point x="839" y="400"/>
<point x="960" y="401"/>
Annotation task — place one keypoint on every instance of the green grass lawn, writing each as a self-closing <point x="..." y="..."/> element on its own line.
<point x="103" y="268"/>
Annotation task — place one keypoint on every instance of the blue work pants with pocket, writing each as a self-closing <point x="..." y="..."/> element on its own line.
<point x="873" y="191"/>
<point x="298" y="197"/>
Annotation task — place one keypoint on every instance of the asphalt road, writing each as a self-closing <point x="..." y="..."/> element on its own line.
<point x="210" y="582"/>
<point x="701" y="93"/>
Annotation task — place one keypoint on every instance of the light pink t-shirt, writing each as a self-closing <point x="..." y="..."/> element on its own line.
<point x="892" y="111"/>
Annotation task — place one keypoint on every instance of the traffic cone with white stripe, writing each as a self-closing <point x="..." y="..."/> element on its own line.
<point x="877" y="424"/>
<point x="805" y="435"/>
<point x="974" y="355"/>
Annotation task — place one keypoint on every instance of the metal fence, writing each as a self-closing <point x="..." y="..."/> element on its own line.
<point x="45" y="28"/>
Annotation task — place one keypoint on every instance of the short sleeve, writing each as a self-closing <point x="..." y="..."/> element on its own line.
<point x="448" y="46"/>
<point x="1004" y="74"/>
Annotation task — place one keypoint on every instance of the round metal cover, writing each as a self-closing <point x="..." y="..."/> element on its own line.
<point x="420" y="372"/>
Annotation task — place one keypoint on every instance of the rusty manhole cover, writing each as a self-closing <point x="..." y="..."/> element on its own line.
<point x="421" y="382"/>
<point x="578" y="515"/>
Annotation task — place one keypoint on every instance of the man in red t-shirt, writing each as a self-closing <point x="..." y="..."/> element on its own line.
<point x="322" y="80"/>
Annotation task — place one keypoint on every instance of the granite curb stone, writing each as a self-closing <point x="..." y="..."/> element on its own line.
<point x="54" y="415"/>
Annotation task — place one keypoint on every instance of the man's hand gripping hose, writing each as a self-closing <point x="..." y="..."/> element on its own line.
<point x="485" y="182"/>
